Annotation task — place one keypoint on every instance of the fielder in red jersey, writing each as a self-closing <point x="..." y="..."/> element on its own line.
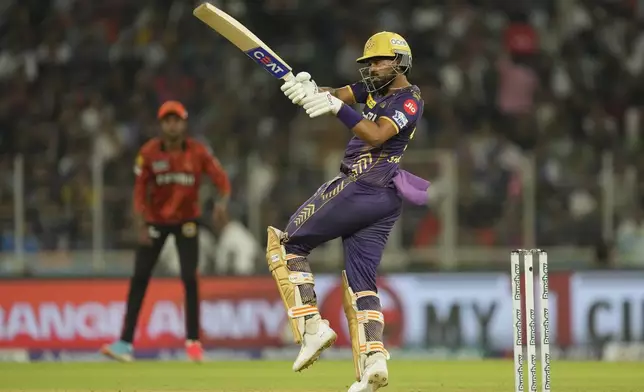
<point x="166" y="201"/>
<point x="167" y="181"/>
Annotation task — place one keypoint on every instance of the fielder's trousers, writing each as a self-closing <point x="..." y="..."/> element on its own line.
<point x="187" y="240"/>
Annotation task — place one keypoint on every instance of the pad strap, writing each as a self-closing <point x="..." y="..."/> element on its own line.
<point x="364" y="316"/>
<point x="374" y="346"/>
<point x="299" y="278"/>
<point x="366" y="293"/>
<point x="302" y="311"/>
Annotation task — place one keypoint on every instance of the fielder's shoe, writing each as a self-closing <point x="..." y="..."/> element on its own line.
<point x="119" y="350"/>
<point x="375" y="375"/>
<point x="194" y="351"/>
<point x="318" y="336"/>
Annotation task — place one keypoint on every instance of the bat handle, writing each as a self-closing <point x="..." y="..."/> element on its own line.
<point x="288" y="76"/>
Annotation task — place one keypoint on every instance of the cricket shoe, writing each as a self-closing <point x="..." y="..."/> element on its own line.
<point x="317" y="337"/>
<point x="194" y="351"/>
<point x="119" y="350"/>
<point x="375" y="375"/>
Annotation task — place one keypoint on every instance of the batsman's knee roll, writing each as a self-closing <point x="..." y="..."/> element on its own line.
<point x="289" y="283"/>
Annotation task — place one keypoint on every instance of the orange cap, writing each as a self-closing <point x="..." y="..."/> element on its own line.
<point x="172" y="107"/>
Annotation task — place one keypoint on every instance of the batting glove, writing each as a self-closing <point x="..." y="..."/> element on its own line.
<point x="299" y="87"/>
<point x="321" y="103"/>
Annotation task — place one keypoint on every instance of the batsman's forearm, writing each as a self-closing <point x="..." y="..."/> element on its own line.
<point x="364" y="129"/>
<point x="369" y="132"/>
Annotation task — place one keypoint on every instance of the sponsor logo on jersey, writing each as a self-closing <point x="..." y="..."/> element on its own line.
<point x="400" y="119"/>
<point x="370" y="102"/>
<point x="410" y="107"/>
<point x="159" y="166"/>
<point x="186" y="179"/>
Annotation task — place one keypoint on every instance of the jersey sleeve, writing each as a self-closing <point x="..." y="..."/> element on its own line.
<point x="403" y="112"/>
<point x="359" y="92"/>
<point x="142" y="173"/>
<point x="215" y="171"/>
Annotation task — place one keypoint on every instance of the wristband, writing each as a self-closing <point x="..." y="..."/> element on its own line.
<point x="348" y="116"/>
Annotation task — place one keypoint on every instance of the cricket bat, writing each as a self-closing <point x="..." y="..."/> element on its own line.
<point x="244" y="39"/>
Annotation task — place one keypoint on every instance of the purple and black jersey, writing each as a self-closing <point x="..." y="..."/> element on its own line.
<point x="362" y="206"/>
<point x="378" y="165"/>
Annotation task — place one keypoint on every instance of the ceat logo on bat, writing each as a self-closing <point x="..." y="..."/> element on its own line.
<point x="268" y="62"/>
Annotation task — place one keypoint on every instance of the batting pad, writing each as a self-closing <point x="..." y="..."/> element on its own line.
<point x="288" y="283"/>
<point x="358" y="320"/>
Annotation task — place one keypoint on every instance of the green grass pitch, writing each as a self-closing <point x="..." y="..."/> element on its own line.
<point x="325" y="376"/>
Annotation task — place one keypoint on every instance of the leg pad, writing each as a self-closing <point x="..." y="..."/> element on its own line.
<point x="357" y="320"/>
<point x="288" y="283"/>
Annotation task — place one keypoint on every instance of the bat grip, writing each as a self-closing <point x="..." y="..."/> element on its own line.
<point x="288" y="76"/>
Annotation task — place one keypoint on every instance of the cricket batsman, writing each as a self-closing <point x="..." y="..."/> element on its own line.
<point x="168" y="175"/>
<point x="360" y="206"/>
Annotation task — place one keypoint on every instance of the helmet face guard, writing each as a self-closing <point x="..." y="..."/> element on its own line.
<point x="384" y="45"/>
<point x="401" y="65"/>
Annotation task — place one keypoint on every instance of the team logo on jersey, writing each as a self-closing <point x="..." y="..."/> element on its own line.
<point x="138" y="165"/>
<point x="370" y="102"/>
<point x="410" y="107"/>
<point x="189" y="229"/>
<point x="400" y="119"/>
<point x="159" y="166"/>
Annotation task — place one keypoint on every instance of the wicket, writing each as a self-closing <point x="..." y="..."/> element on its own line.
<point x="531" y="322"/>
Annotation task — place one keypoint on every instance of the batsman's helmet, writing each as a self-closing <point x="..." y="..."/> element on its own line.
<point x="387" y="44"/>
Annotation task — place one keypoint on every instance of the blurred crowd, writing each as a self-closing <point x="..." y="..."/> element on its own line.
<point x="503" y="80"/>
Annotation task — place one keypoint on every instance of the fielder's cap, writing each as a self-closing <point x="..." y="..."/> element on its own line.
<point x="172" y="107"/>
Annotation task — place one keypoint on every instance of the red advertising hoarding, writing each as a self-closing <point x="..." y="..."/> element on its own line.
<point x="422" y="310"/>
<point x="84" y="314"/>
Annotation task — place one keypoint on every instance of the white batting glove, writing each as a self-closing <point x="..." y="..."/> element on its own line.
<point x="321" y="103"/>
<point x="299" y="87"/>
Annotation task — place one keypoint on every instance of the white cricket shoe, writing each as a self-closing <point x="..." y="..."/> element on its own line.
<point x="318" y="336"/>
<point x="375" y="375"/>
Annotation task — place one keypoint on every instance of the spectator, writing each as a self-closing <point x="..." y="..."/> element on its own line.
<point x="502" y="80"/>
